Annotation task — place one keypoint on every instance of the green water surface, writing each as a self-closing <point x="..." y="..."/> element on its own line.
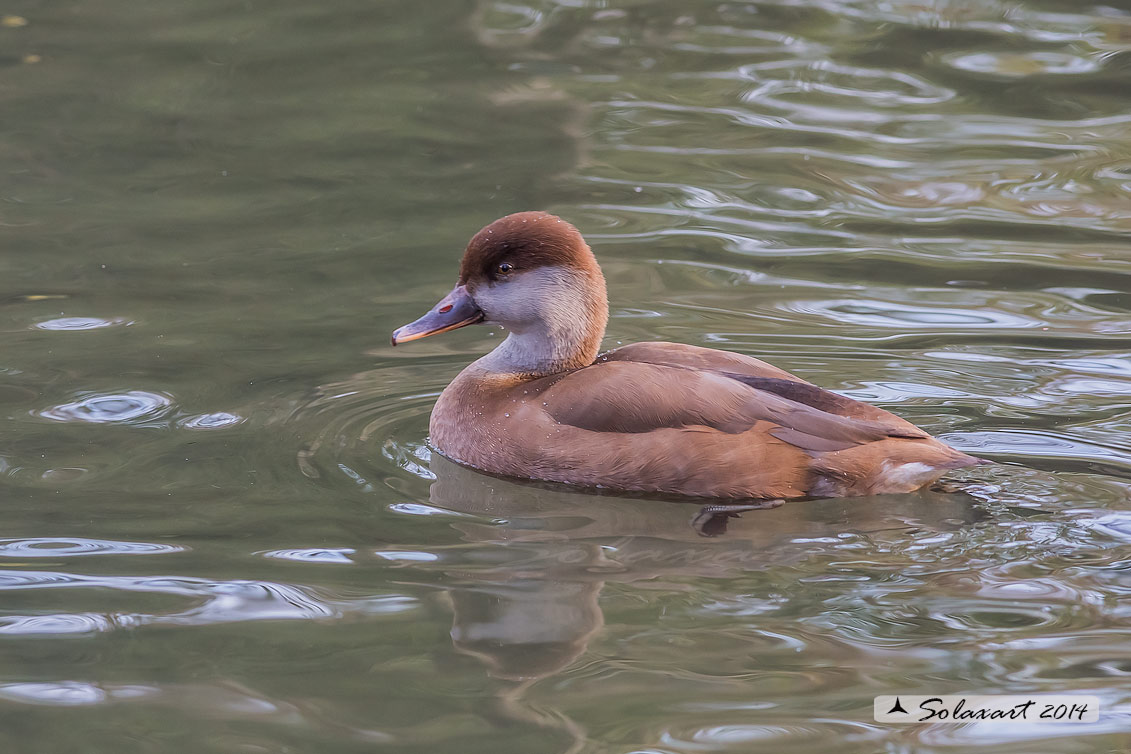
<point x="222" y="529"/>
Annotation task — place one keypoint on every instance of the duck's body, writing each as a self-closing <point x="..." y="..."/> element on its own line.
<point x="650" y="417"/>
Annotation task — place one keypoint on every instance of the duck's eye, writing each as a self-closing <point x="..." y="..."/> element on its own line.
<point x="504" y="268"/>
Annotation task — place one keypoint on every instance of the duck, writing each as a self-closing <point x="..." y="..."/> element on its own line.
<point x="653" y="417"/>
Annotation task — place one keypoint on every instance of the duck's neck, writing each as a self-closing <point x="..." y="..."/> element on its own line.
<point x="567" y="336"/>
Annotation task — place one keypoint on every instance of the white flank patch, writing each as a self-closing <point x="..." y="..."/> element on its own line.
<point x="915" y="473"/>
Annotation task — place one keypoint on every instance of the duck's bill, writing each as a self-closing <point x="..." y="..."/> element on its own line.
<point x="455" y="310"/>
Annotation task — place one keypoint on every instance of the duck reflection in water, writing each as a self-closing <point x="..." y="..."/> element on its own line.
<point x="531" y="610"/>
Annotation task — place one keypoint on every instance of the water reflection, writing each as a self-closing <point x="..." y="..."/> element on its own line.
<point x="529" y="604"/>
<point x="529" y="607"/>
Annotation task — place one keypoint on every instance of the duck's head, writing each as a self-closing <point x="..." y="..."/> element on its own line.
<point x="532" y="273"/>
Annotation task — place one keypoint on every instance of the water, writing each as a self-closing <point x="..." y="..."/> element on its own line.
<point x="223" y="531"/>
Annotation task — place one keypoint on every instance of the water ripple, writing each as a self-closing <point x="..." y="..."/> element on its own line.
<point x="345" y="421"/>
<point x="62" y="624"/>
<point x="889" y="314"/>
<point x="81" y="323"/>
<point x="212" y="602"/>
<point x="1020" y="65"/>
<point x="1033" y="444"/>
<point x="217" y="420"/>
<point x="313" y="555"/>
<point x="54" y="547"/>
<point x="132" y="407"/>
<point x="72" y="693"/>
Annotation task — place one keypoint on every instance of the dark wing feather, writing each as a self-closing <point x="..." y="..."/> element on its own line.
<point x="828" y="402"/>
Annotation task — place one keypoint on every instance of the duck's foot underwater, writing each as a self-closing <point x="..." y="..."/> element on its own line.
<point x="952" y="486"/>
<point x="712" y="520"/>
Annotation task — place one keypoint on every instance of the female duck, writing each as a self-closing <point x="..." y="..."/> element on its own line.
<point x="649" y="417"/>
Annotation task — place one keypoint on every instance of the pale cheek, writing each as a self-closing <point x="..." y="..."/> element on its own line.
<point x="528" y="298"/>
<point x="502" y="302"/>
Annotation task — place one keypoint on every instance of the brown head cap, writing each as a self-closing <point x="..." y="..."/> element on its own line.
<point x="525" y="241"/>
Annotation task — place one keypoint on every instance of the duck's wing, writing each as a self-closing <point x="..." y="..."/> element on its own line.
<point x="758" y="374"/>
<point x="621" y="396"/>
